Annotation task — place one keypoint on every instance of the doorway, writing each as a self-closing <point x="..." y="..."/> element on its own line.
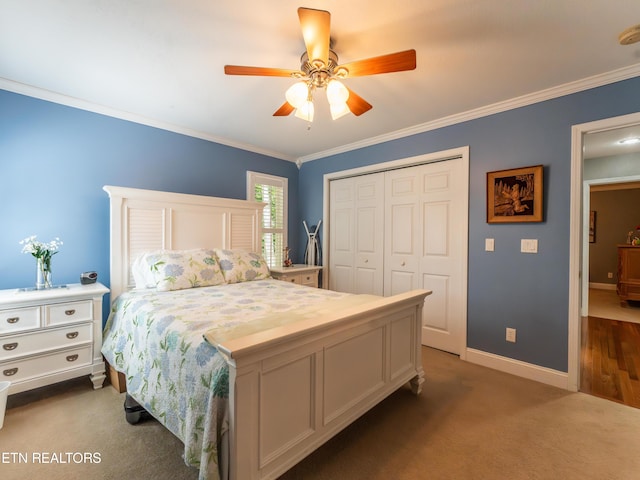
<point x="586" y="137"/>
<point x="610" y="329"/>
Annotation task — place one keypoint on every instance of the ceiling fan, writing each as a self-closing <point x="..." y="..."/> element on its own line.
<point x="319" y="68"/>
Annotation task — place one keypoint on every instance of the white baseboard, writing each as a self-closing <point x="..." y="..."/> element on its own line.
<point x="602" y="286"/>
<point x="519" y="368"/>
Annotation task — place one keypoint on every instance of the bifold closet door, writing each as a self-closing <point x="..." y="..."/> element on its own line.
<point x="424" y="227"/>
<point x="357" y="234"/>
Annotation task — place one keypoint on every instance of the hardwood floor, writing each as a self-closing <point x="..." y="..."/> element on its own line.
<point x="610" y="360"/>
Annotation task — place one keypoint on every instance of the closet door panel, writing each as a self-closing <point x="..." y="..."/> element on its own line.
<point x="440" y="258"/>
<point x="357" y="234"/>
<point x="402" y="231"/>
<point x="369" y="264"/>
<point x="342" y="235"/>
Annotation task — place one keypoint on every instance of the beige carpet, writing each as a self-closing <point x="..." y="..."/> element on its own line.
<point x="469" y="423"/>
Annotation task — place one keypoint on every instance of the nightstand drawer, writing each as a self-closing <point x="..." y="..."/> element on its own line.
<point x="309" y="279"/>
<point x="19" y="319"/>
<point x="60" y="313"/>
<point x="37" y="342"/>
<point x="28" y="368"/>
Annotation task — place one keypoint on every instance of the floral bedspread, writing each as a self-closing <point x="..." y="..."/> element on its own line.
<point x="156" y="340"/>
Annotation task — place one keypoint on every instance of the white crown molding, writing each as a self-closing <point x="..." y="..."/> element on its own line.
<point x="68" y="101"/>
<point x="524" y="100"/>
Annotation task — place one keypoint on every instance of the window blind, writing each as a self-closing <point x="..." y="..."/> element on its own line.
<point x="272" y="191"/>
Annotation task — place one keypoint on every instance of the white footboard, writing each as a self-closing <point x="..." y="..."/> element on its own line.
<point x="293" y="388"/>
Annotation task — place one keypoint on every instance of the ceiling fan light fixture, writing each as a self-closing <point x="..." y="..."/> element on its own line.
<point x="338" y="110"/>
<point x="337" y="93"/>
<point x="297" y="94"/>
<point x="305" y="111"/>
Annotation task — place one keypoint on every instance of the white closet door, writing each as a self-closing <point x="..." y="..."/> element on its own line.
<point x="357" y="234"/>
<point x="402" y="231"/>
<point x="342" y="235"/>
<point x="425" y="229"/>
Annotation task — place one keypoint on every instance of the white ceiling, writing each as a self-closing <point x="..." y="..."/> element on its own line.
<point x="160" y="62"/>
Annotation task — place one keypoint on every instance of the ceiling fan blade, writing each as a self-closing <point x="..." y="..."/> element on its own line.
<point x="316" y="25"/>
<point x="357" y="104"/>
<point x="393" y="62"/>
<point x="284" y="110"/>
<point x="260" y="71"/>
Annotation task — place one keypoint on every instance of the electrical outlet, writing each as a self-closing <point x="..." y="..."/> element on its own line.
<point x="511" y="335"/>
<point x="610" y="275"/>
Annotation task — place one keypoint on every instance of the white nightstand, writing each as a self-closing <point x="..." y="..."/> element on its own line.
<point x="301" y="274"/>
<point x="51" y="335"/>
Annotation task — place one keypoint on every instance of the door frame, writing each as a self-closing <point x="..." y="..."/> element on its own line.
<point x="578" y="240"/>
<point x="441" y="156"/>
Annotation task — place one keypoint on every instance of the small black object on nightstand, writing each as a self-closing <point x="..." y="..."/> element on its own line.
<point x="88" y="277"/>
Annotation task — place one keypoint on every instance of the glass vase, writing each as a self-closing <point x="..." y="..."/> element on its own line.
<point x="43" y="274"/>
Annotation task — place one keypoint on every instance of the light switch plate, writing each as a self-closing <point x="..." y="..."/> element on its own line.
<point x="529" y="245"/>
<point x="489" y="244"/>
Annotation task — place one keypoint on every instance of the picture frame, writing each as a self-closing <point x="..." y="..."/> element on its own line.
<point x="515" y="195"/>
<point x="592" y="226"/>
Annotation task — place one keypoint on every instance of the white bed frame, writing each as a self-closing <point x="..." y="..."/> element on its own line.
<point x="294" y="387"/>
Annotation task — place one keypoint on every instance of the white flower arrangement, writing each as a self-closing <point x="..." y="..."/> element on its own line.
<point x="43" y="253"/>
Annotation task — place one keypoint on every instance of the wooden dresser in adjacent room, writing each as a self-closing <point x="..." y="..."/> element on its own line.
<point x="628" y="286"/>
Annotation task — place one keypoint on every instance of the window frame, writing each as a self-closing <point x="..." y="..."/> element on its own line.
<point x="258" y="178"/>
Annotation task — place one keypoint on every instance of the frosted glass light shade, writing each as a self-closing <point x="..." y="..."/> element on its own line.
<point x="336" y="92"/>
<point x="297" y="94"/>
<point x="338" y="110"/>
<point x="305" y="111"/>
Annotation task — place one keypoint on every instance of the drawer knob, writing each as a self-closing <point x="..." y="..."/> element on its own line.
<point x="292" y="280"/>
<point x="72" y="335"/>
<point x="10" y="371"/>
<point x="70" y="312"/>
<point x="72" y="358"/>
<point x="10" y="346"/>
<point x="13" y="319"/>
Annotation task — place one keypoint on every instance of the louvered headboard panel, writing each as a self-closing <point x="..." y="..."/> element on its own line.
<point x="144" y="220"/>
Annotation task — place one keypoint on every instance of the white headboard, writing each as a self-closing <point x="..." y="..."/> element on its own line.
<point x="143" y="220"/>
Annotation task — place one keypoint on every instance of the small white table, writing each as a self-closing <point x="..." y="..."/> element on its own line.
<point x="299" y="273"/>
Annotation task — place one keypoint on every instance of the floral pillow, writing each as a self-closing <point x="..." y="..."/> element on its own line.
<point x="180" y="269"/>
<point x="242" y="266"/>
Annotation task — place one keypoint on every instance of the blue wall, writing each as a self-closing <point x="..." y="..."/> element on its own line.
<point x="54" y="161"/>
<point x="506" y="288"/>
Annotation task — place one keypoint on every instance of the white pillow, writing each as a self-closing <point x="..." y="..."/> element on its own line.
<point x="242" y="266"/>
<point x="180" y="269"/>
<point x="141" y="272"/>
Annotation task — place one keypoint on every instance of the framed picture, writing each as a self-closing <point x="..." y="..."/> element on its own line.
<point x="592" y="226"/>
<point x="515" y="195"/>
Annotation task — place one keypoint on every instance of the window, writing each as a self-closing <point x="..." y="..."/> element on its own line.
<point x="271" y="190"/>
